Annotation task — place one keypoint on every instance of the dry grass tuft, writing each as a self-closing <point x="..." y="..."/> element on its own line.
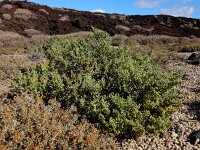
<point x="24" y="14"/>
<point x="37" y="38"/>
<point x="122" y="28"/>
<point x="26" y="123"/>
<point x="64" y="18"/>
<point x="11" y="43"/>
<point x="7" y="6"/>
<point x="44" y="11"/>
<point x="119" y="39"/>
<point x="7" y="16"/>
<point x="6" y="36"/>
<point x="31" y="32"/>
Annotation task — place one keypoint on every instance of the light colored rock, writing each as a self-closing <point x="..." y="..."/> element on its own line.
<point x="122" y="28"/>
<point x="174" y="135"/>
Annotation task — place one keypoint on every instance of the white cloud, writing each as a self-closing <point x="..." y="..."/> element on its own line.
<point x="147" y="4"/>
<point x="99" y="10"/>
<point x="179" y="11"/>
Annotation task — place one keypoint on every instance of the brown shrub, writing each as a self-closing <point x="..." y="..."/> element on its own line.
<point x="38" y="38"/>
<point x="7" y="16"/>
<point x="64" y="18"/>
<point x="11" y="42"/>
<point x="119" y="39"/>
<point x="122" y="17"/>
<point x="26" y="123"/>
<point x="31" y="32"/>
<point x="122" y="28"/>
<point x="100" y="15"/>
<point x="44" y="11"/>
<point x="9" y="65"/>
<point x="113" y="17"/>
<point x="7" y="38"/>
<point x="7" y="6"/>
<point x="196" y="28"/>
<point x="24" y="14"/>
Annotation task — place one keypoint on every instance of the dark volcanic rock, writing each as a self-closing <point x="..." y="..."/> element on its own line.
<point x="194" y="59"/>
<point x="194" y="137"/>
<point x="25" y="15"/>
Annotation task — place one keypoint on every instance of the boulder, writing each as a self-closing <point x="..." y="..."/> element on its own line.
<point x="194" y="59"/>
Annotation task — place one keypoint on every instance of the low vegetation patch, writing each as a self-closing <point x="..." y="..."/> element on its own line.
<point x="9" y="65"/>
<point x="192" y="47"/>
<point x="26" y="123"/>
<point x="24" y="14"/>
<point x="121" y="91"/>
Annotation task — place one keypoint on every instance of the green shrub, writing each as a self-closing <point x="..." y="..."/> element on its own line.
<point x="121" y="91"/>
<point x="192" y="47"/>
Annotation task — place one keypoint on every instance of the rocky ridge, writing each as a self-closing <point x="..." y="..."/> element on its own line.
<point x="28" y="18"/>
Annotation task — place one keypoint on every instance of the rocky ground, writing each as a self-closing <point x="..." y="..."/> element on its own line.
<point x="185" y="121"/>
<point x="26" y="18"/>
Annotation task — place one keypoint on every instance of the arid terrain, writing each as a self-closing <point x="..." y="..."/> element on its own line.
<point x="173" y="43"/>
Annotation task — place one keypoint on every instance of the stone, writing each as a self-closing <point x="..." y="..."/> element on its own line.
<point x="186" y="77"/>
<point x="194" y="59"/>
<point x="194" y="137"/>
<point x="174" y="135"/>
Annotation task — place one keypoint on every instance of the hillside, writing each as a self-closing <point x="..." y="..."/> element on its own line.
<point x="23" y="17"/>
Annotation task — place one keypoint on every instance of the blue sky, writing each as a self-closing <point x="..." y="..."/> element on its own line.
<point x="187" y="8"/>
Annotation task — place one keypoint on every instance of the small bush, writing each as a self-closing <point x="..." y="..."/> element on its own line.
<point x="121" y="90"/>
<point x="44" y="11"/>
<point x="122" y="28"/>
<point x="24" y="14"/>
<point x="9" y="65"/>
<point x="26" y="123"/>
<point x="31" y="32"/>
<point x="192" y="47"/>
<point x="7" y="16"/>
<point x="118" y="40"/>
<point x="7" y="37"/>
<point x="64" y="18"/>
